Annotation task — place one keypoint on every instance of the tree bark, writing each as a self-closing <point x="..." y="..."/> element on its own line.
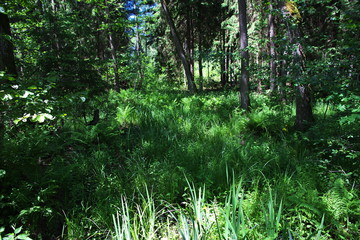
<point x="244" y="53"/>
<point x="201" y="75"/>
<point x="304" y="114"/>
<point x="190" y="40"/>
<point x="179" y="49"/>
<point x="272" y="47"/>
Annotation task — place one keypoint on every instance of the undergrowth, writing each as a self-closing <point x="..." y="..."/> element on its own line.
<point x="169" y="165"/>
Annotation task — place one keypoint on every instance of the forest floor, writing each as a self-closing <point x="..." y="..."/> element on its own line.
<point x="169" y="165"/>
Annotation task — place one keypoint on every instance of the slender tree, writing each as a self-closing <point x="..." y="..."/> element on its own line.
<point x="112" y="49"/>
<point x="272" y="46"/>
<point x="179" y="48"/>
<point x="244" y="53"/>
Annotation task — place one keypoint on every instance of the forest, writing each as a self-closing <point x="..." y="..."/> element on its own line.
<point x="179" y="119"/>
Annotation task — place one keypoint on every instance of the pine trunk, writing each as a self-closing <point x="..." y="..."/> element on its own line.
<point x="244" y="53"/>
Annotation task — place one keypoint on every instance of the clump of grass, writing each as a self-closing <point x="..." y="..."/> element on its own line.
<point x="234" y="216"/>
<point x="138" y="223"/>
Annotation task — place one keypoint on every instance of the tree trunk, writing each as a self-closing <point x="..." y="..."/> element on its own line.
<point x="223" y="57"/>
<point x="304" y="114"/>
<point x="244" y="81"/>
<point x="7" y="64"/>
<point x="179" y="48"/>
<point x="7" y="60"/>
<point x="227" y="64"/>
<point x="56" y="42"/>
<point x="272" y="47"/>
<point x="190" y="39"/>
<point x="114" y="62"/>
<point x="201" y="75"/>
<point x="113" y="52"/>
<point x="138" y="50"/>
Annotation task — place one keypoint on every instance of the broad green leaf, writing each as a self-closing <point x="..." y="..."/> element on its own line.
<point x="17" y="230"/>
<point x="26" y="94"/>
<point x="23" y="236"/>
<point x="38" y="118"/>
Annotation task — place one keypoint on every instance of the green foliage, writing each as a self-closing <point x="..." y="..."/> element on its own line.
<point x="158" y="159"/>
<point x="74" y="175"/>
<point x="16" y="235"/>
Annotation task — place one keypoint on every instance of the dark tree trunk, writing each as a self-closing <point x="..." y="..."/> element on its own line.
<point x="227" y="64"/>
<point x="201" y="75"/>
<point x="100" y="48"/>
<point x="7" y="63"/>
<point x="304" y="114"/>
<point x="244" y="81"/>
<point x="7" y="60"/>
<point x="96" y="118"/>
<point x="179" y="49"/>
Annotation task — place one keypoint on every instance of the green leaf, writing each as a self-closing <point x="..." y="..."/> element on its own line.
<point x="26" y="94"/>
<point x="38" y="118"/>
<point x="2" y="173"/>
<point x="23" y="236"/>
<point x="17" y="230"/>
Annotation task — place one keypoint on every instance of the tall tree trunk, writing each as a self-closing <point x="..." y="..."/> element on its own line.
<point x="7" y="63"/>
<point x="227" y="64"/>
<point x="304" y="114"/>
<point x="112" y="51"/>
<point x="201" y="75"/>
<point x="138" y="50"/>
<point x="179" y="48"/>
<point x="223" y="57"/>
<point x="56" y="42"/>
<point x="191" y="40"/>
<point x="7" y="60"/>
<point x="272" y="46"/>
<point x="114" y="61"/>
<point x="244" y="53"/>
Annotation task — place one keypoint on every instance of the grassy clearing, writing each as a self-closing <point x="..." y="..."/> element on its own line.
<point x="168" y="165"/>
